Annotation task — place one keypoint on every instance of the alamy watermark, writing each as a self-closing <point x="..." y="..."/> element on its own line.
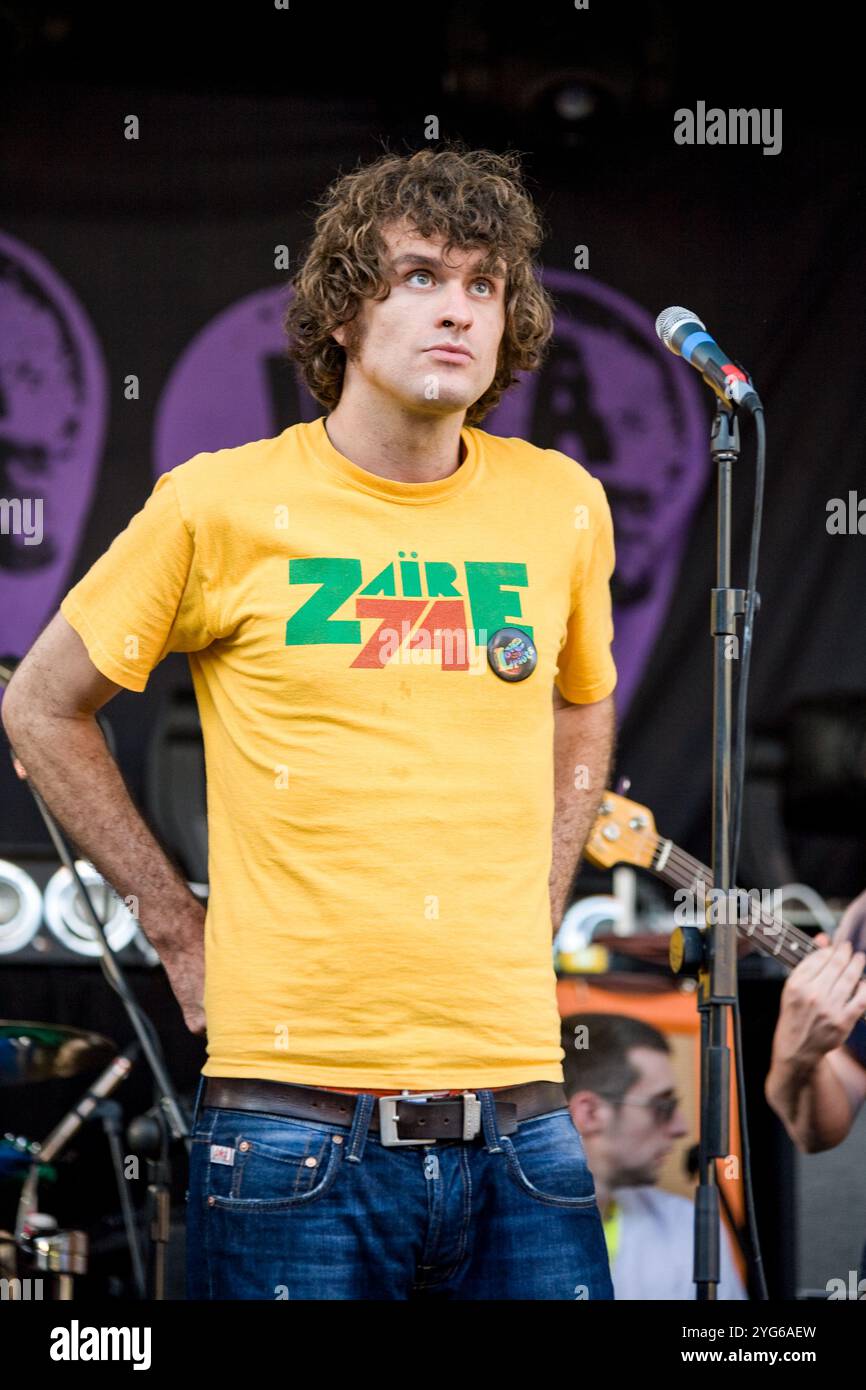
<point x="721" y="907"/>
<point x="17" y="518"/>
<point x="20" y="1290"/>
<point x="737" y="126"/>
<point x="854" y="1288"/>
<point x="847" y="516"/>
<point x="403" y="646"/>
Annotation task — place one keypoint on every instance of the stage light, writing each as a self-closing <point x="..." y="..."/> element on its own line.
<point x="20" y="908"/>
<point x="574" y="101"/>
<point x="67" y="918"/>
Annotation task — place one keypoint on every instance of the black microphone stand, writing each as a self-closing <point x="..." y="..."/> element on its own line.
<point x="717" y="976"/>
<point x="711" y="953"/>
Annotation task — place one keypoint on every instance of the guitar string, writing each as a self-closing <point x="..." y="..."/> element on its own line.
<point x="790" y="955"/>
<point x="698" y="872"/>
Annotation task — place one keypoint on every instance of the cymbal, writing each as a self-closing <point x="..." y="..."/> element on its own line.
<point x="47" y="1051"/>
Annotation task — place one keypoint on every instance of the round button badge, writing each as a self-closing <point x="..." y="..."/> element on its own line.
<point x="511" y="654"/>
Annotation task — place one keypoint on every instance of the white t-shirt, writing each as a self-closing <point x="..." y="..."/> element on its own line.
<point x="655" y="1252"/>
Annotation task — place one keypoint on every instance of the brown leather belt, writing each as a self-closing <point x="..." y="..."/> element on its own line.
<point x="421" y="1118"/>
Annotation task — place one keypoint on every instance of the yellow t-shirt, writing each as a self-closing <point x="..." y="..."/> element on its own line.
<point x="380" y="801"/>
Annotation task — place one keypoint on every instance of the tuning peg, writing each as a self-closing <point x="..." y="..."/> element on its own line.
<point x="623" y="785"/>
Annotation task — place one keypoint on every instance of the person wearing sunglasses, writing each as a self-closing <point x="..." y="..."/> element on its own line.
<point x="621" y="1090"/>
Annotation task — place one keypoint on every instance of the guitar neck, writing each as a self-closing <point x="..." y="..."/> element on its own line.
<point x="768" y="932"/>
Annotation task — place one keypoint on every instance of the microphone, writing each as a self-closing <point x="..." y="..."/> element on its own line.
<point x="116" y="1071"/>
<point x="684" y="334"/>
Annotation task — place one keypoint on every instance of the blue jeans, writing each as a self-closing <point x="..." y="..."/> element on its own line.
<point x="283" y="1208"/>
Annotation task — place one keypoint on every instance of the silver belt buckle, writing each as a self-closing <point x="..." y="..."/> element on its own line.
<point x="388" y="1115"/>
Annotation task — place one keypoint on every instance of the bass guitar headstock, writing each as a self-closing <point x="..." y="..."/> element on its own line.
<point x="624" y="832"/>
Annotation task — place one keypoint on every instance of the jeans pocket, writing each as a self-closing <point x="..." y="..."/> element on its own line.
<point x="262" y="1163"/>
<point x="547" y="1161"/>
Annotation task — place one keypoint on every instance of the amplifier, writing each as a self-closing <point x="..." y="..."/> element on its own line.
<point x="44" y="918"/>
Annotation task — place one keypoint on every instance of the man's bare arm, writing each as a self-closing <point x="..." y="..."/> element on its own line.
<point x="814" y="1085"/>
<point x="48" y="712"/>
<point x="582" y="751"/>
<point x="816" y="1103"/>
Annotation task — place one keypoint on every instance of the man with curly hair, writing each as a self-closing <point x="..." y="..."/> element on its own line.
<point x="399" y="629"/>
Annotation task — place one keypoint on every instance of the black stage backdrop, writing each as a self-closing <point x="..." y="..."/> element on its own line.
<point x="168" y="241"/>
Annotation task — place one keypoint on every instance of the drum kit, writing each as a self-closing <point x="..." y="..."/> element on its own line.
<point x="37" y="1247"/>
<point x="44" y="1051"/>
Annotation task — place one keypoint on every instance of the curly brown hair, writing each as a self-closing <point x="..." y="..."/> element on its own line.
<point x="473" y="198"/>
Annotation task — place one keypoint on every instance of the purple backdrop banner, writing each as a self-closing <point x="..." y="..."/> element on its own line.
<point x="609" y="395"/>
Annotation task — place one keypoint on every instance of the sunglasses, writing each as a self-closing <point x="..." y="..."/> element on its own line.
<point x="663" y="1107"/>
